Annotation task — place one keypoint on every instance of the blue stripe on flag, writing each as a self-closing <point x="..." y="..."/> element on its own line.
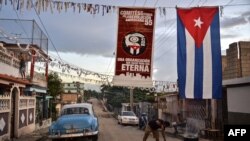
<point x="216" y="57"/>
<point x="181" y="57"/>
<point x="198" y="73"/>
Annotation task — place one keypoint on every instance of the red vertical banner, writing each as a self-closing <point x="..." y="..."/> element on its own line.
<point x="134" y="47"/>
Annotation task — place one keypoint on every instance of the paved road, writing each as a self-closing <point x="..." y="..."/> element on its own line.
<point x="110" y="130"/>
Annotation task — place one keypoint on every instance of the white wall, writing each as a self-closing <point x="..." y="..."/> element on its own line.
<point x="10" y="70"/>
<point x="239" y="99"/>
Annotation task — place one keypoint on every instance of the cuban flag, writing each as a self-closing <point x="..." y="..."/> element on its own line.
<point x="199" y="53"/>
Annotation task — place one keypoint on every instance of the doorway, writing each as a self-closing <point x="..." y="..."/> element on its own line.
<point x="13" y="112"/>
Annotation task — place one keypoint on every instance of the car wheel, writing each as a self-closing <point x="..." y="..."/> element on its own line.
<point x="95" y="138"/>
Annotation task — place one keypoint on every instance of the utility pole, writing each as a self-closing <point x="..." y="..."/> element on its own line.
<point x="157" y="106"/>
<point x="131" y="98"/>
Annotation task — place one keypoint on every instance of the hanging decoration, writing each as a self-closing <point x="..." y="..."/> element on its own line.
<point x="165" y="86"/>
<point x="60" y="6"/>
<point x="67" y="69"/>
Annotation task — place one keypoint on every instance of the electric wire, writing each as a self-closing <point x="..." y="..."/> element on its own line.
<point x="45" y="29"/>
<point x="145" y="1"/>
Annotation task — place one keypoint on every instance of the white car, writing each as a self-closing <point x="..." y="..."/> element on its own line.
<point x="128" y="117"/>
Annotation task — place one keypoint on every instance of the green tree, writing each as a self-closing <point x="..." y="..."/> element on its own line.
<point x="55" y="86"/>
<point x="116" y="95"/>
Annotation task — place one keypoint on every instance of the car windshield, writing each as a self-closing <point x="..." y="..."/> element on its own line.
<point x="75" y="110"/>
<point x="128" y="113"/>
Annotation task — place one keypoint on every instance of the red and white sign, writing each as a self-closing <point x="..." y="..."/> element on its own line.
<point x="134" y="47"/>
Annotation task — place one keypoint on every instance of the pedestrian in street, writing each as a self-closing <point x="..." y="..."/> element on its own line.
<point x="22" y="65"/>
<point x="153" y="127"/>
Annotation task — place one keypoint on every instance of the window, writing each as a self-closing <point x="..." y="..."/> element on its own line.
<point x="129" y="113"/>
<point x="75" y="110"/>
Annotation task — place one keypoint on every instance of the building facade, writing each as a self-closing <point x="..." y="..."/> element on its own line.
<point x="73" y="93"/>
<point x="237" y="62"/>
<point x="19" y="94"/>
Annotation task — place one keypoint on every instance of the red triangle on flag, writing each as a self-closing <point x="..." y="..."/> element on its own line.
<point x="197" y="21"/>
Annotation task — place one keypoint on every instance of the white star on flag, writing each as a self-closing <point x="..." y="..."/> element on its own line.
<point x="198" y="22"/>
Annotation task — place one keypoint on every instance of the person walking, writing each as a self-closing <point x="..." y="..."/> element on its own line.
<point x="153" y="127"/>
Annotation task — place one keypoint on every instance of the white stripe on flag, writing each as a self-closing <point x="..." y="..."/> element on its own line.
<point x="190" y="54"/>
<point x="207" y="66"/>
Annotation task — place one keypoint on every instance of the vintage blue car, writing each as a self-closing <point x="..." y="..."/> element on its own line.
<point x="75" y="121"/>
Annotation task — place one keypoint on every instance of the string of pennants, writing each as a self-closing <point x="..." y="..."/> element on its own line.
<point x="65" y="68"/>
<point x="72" y="72"/>
<point x="60" y="6"/>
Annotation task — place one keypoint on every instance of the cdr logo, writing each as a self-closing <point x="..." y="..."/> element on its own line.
<point x="134" y="43"/>
<point x="237" y="132"/>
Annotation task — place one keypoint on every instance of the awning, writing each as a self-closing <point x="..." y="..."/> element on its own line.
<point x="32" y="89"/>
<point x="49" y="97"/>
<point x="46" y="97"/>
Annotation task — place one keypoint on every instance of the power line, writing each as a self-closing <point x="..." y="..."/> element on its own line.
<point x="166" y="40"/>
<point x="145" y="1"/>
<point x="156" y="3"/>
<point x="45" y="29"/>
<point x="21" y="23"/>
<point x="134" y="3"/>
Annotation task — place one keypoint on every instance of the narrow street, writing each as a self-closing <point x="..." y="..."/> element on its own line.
<point x="109" y="129"/>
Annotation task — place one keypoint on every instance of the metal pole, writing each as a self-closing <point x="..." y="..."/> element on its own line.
<point x="214" y="112"/>
<point x="131" y="99"/>
<point x="157" y="105"/>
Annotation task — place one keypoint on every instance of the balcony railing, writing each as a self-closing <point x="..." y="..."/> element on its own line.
<point x="9" y="64"/>
<point x="39" y="79"/>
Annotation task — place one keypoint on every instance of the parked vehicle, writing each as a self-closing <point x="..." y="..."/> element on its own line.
<point x="128" y="117"/>
<point x="76" y="120"/>
<point x="143" y="121"/>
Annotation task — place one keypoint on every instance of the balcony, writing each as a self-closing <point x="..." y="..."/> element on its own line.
<point x="13" y="42"/>
<point x="9" y="64"/>
<point x="38" y="79"/>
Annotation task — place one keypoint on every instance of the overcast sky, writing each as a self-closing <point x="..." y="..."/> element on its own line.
<point x="89" y="41"/>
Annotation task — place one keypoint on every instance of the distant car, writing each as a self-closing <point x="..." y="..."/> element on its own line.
<point x="76" y="120"/>
<point x="128" y="117"/>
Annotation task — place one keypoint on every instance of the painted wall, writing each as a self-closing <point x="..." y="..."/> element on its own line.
<point x="238" y="99"/>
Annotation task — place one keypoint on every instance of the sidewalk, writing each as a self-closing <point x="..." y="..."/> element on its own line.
<point x="180" y="137"/>
<point x="38" y="135"/>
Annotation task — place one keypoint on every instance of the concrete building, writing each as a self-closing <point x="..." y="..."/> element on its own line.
<point x="237" y="62"/>
<point x="73" y="93"/>
<point x="75" y="88"/>
<point x="236" y="100"/>
<point x="22" y="97"/>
